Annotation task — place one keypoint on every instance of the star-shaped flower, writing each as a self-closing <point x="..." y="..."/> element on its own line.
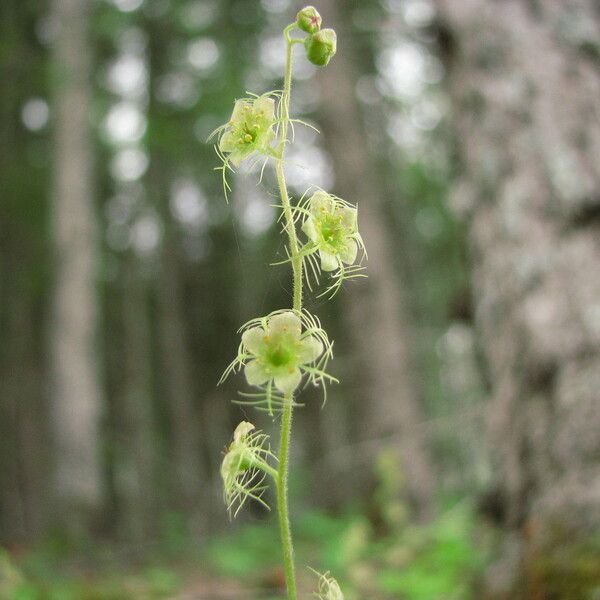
<point x="250" y="129"/>
<point x="279" y="352"/>
<point x="276" y="352"/>
<point x="332" y="226"/>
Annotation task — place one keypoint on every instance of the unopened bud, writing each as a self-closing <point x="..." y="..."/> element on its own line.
<point x="309" y="20"/>
<point x="329" y="588"/>
<point x="321" y="47"/>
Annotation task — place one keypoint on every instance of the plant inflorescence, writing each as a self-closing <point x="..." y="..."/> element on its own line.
<point x="282" y="352"/>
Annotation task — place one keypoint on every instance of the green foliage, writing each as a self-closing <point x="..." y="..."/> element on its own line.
<point x="153" y="584"/>
<point x="247" y="552"/>
<point x="41" y="575"/>
<point x="433" y="562"/>
<point x="391" y="484"/>
<point x="162" y="582"/>
<point x="174" y="534"/>
<point x="408" y="562"/>
<point x="439" y="563"/>
<point x="10" y="577"/>
<point x="336" y="541"/>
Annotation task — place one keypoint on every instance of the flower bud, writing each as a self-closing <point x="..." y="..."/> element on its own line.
<point x="308" y="19"/>
<point x="329" y="588"/>
<point x="243" y="467"/>
<point x="321" y="47"/>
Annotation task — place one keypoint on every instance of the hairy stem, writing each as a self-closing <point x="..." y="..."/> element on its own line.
<point x="279" y="169"/>
<point x="282" y="501"/>
<point x="296" y="259"/>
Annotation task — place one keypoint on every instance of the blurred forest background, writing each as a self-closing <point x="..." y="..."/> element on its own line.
<point x="460" y="456"/>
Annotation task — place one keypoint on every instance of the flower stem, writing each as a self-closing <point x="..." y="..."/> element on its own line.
<point x="282" y="501"/>
<point x="296" y="259"/>
<point x="279" y="169"/>
<point x="266" y="468"/>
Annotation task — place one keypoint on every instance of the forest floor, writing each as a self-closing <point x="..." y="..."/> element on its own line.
<point x="391" y="560"/>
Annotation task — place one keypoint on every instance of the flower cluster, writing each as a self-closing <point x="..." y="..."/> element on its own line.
<point x="245" y="467"/>
<point x="281" y="351"/>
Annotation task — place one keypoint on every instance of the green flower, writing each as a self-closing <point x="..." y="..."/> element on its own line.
<point x="249" y="130"/>
<point x="332" y="226"/>
<point x="245" y="467"/>
<point x="278" y="352"/>
<point x="275" y="352"/>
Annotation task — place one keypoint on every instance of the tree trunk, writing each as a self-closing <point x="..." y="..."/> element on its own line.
<point x="21" y="432"/>
<point x="22" y="440"/>
<point x="186" y="428"/>
<point x="188" y="494"/>
<point x="76" y="394"/>
<point x="135" y="444"/>
<point x="525" y="83"/>
<point x="376" y="309"/>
